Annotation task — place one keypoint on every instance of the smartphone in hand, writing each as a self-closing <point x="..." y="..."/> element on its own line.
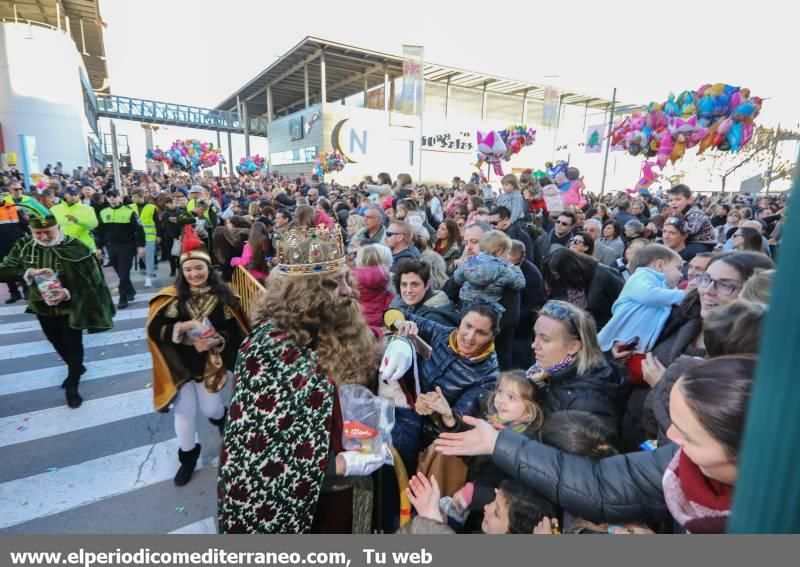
<point x="631" y="344"/>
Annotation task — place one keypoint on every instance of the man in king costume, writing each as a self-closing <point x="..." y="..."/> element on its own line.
<point x="66" y="290"/>
<point x="283" y="468"/>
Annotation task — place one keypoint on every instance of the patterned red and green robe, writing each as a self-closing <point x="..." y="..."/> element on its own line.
<point x="277" y="439"/>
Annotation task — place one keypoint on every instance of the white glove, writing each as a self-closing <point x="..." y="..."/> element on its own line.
<point x="360" y="464"/>
<point x="397" y="359"/>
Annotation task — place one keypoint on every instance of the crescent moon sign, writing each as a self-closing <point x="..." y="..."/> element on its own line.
<point x="336" y="141"/>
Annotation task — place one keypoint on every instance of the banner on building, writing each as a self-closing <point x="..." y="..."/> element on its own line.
<point x="594" y="139"/>
<point x="30" y="157"/>
<point x="446" y="140"/>
<point x="413" y="92"/>
<point x="550" y="108"/>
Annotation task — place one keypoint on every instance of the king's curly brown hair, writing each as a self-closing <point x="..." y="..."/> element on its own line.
<point x="307" y="310"/>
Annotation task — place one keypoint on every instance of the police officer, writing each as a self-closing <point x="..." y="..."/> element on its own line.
<point x="123" y="236"/>
<point x="76" y="219"/>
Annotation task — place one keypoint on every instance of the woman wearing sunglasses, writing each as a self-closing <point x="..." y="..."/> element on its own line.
<point x="570" y="370"/>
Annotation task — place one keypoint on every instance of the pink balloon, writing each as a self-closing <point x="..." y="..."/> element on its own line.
<point x="748" y="129"/>
<point x="725" y="126"/>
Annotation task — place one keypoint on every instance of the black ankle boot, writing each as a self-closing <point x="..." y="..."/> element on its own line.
<point x="74" y="399"/>
<point x="220" y="422"/>
<point x="188" y="460"/>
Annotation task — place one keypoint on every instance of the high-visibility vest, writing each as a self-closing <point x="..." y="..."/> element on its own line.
<point x="24" y="199"/>
<point x="190" y="207"/>
<point x="120" y="215"/>
<point x="9" y="214"/>
<point x="82" y="230"/>
<point x="147" y="218"/>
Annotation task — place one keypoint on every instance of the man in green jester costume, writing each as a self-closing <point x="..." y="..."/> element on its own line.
<point x="66" y="290"/>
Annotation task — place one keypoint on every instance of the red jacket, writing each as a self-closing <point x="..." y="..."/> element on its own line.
<point x="372" y="284"/>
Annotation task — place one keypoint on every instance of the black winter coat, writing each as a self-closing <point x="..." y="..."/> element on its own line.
<point x="624" y="488"/>
<point x="517" y="232"/>
<point x="601" y="391"/>
<point x="531" y="299"/>
<point x="607" y="284"/>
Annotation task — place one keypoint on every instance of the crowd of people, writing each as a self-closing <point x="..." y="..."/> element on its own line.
<point x="580" y="370"/>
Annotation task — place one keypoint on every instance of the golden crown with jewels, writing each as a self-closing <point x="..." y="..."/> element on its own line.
<point x="310" y="251"/>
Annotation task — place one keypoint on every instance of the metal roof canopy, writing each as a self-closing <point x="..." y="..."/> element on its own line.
<point x="345" y="68"/>
<point x="86" y="11"/>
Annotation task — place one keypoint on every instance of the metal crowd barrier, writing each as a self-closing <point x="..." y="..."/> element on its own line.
<point x="247" y="288"/>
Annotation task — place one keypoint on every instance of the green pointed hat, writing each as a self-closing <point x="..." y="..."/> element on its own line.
<point x="39" y="216"/>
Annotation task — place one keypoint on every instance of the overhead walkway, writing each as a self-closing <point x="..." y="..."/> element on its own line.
<point x="154" y="112"/>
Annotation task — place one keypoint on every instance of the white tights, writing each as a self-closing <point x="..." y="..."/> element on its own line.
<point x="186" y="407"/>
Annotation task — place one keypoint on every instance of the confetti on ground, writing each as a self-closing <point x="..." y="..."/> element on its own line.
<point x="52" y="469"/>
<point x="147" y="385"/>
<point x="21" y="428"/>
<point x="179" y="509"/>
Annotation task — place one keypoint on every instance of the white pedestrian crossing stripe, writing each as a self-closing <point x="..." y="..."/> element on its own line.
<point x="50" y="377"/>
<point x="33" y="324"/>
<point x="55" y="421"/>
<point x="89" y="341"/>
<point x="204" y="526"/>
<point x="48" y="493"/>
<point x="19" y="308"/>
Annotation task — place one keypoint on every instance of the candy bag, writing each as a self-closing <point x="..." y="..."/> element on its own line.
<point x="368" y="421"/>
<point x="49" y="287"/>
<point x="205" y="332"/>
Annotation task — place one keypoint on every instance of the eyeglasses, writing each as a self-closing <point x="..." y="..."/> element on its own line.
<point x="577" y="241"/>
<point x="389" y="233"/>
<point x="723" y="287"/>
<point x="562" y="223"/>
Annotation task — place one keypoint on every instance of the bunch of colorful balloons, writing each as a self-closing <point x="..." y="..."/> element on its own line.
<point x="192" y="155"/>
<point x="494" y="147"/>
<point x="516" y="137"/>
<point x="158" y="155"/>
<point x="330" y="161"/>
<point x="569" y="182"/>
<point x="251" y="164"/>
<point x="715" y="116"/>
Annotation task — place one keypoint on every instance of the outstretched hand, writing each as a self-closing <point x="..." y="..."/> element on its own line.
<point x="425" y="495"/>
<point x="477" y="441"/>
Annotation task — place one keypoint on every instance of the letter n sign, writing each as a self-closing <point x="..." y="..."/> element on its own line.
<point x="361" y="142"/>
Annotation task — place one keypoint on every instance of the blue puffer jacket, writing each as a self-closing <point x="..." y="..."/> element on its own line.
<point x="463" y="382"/>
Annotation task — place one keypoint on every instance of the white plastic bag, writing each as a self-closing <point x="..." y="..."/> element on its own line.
<point x="368" y="421"/>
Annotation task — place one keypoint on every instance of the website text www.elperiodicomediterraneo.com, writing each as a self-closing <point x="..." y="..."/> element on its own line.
<point x="210" y="558"/>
